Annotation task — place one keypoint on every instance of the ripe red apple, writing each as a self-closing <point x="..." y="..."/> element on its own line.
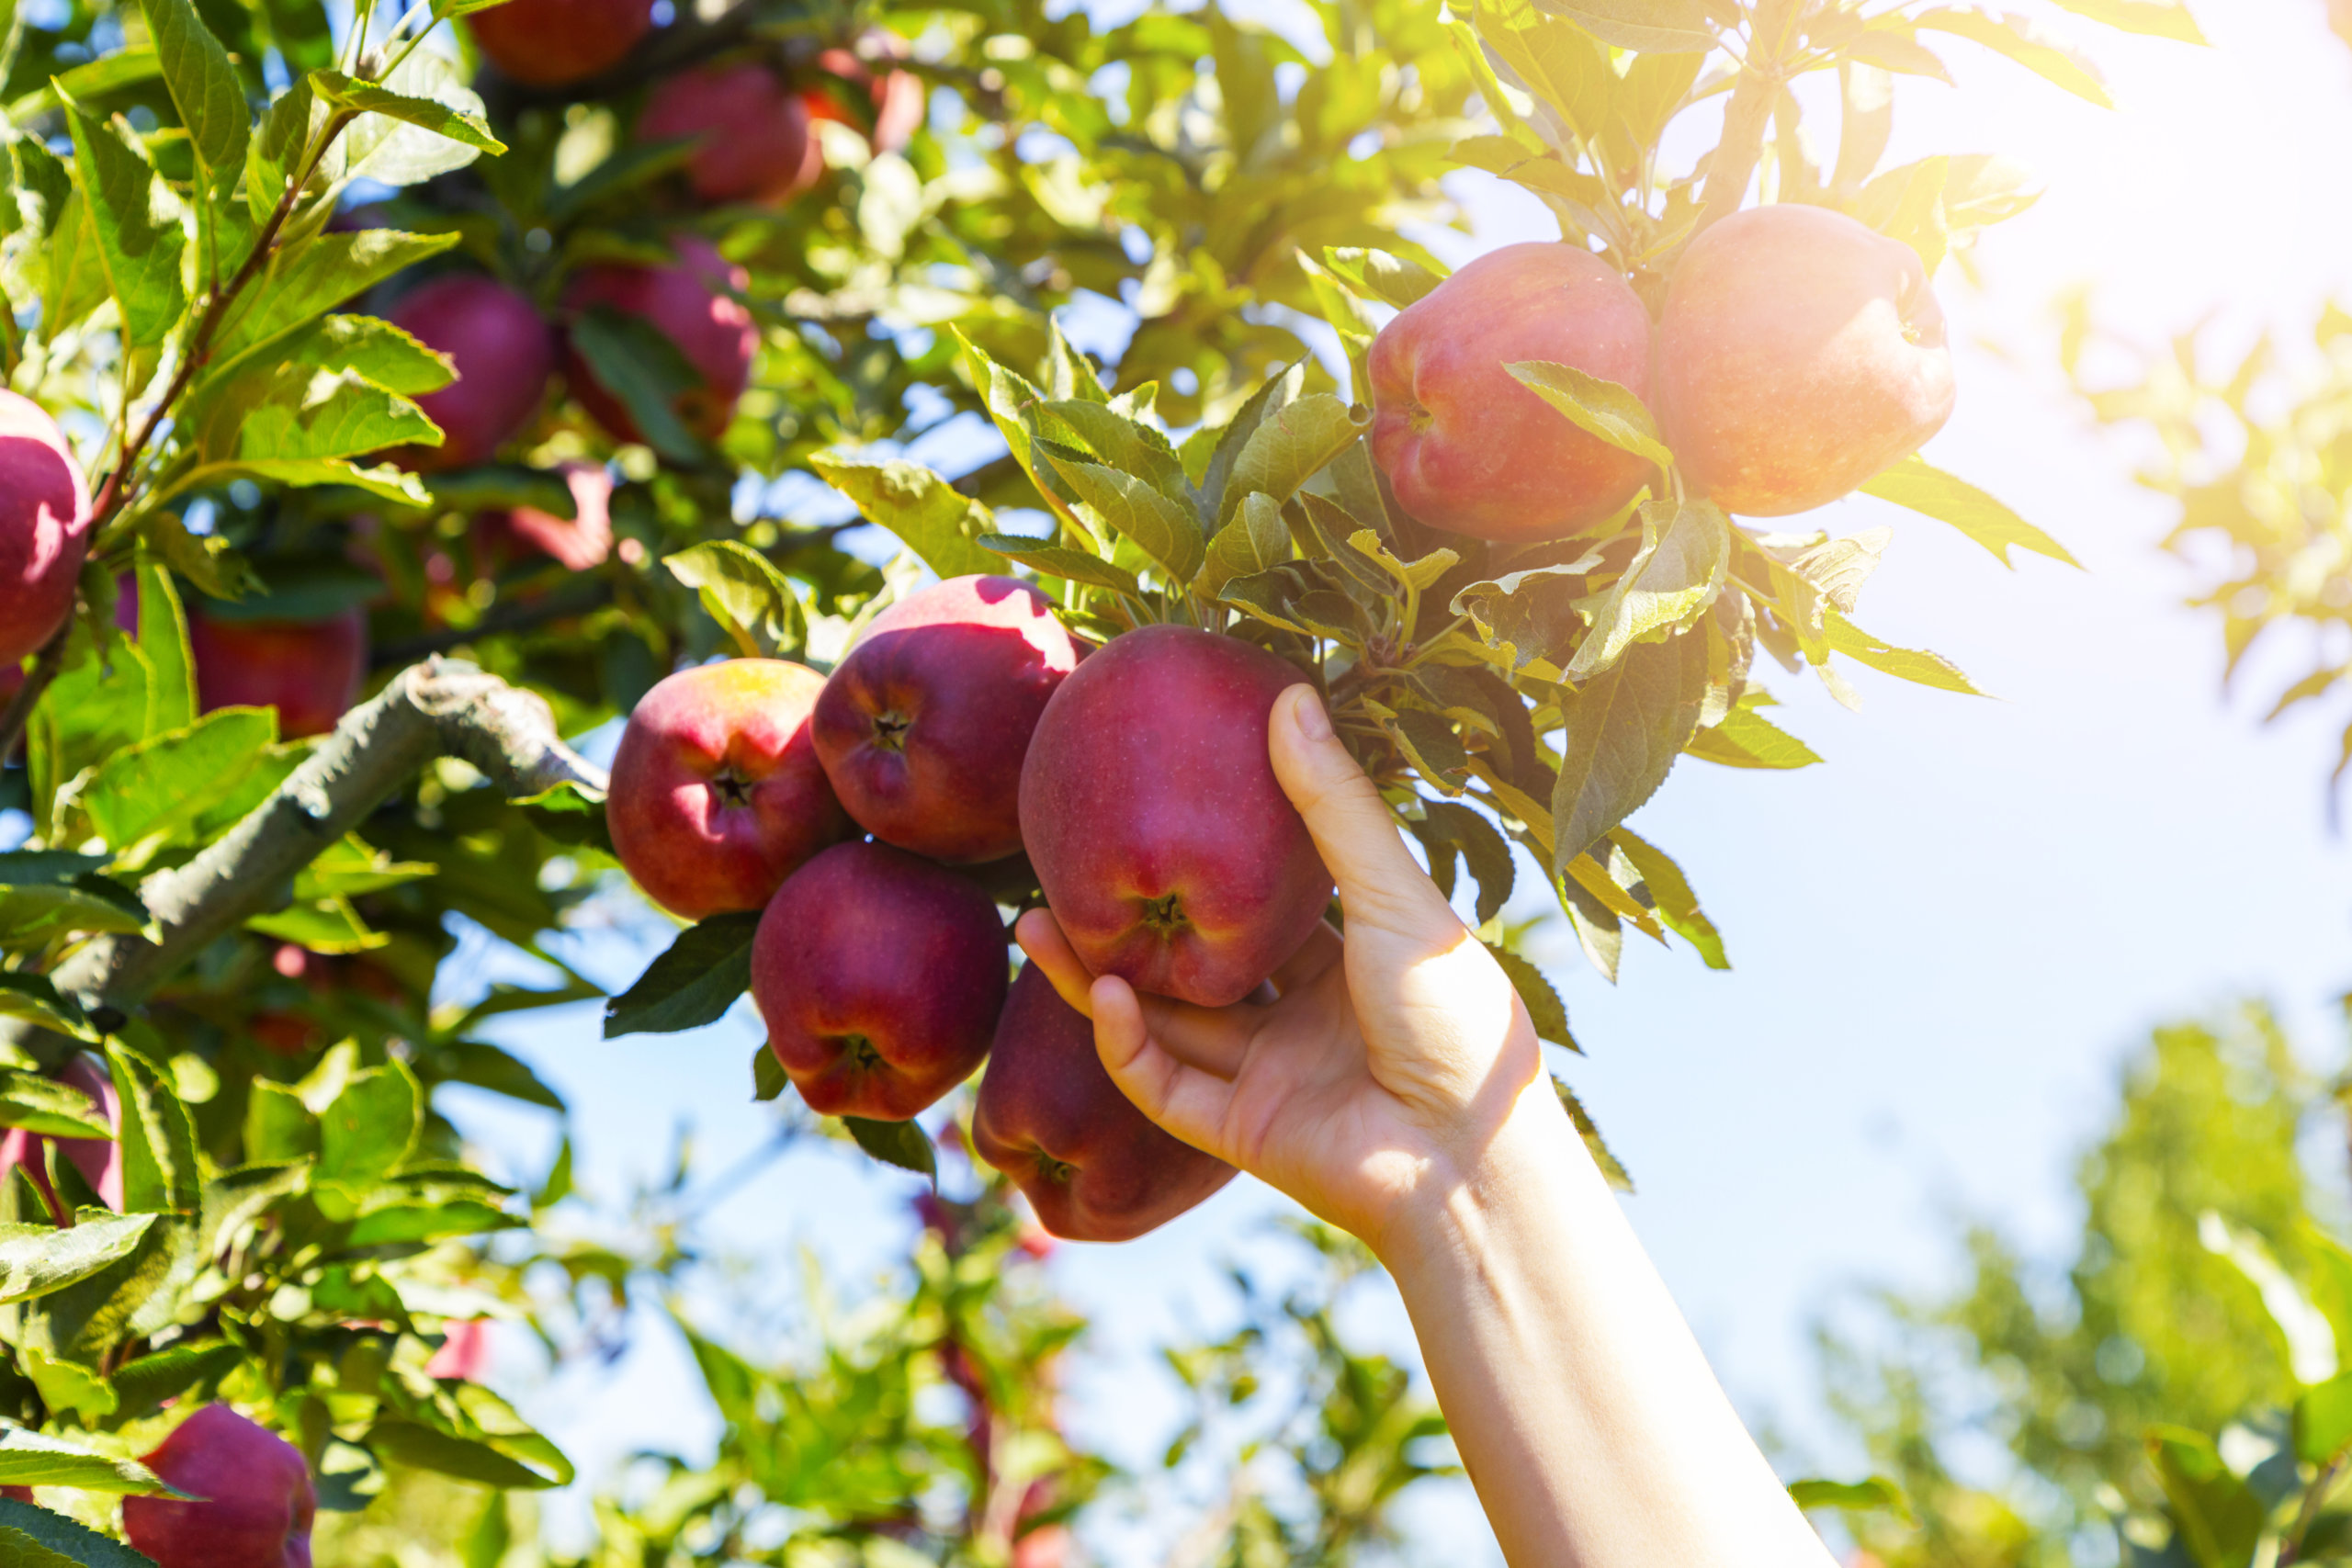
<point x="896" y="99"/>
<point x="1799" y="354"/>
<point x="311" y="671"/>
<point x="1093" y="1167"/>
<point x="753" y="142"/>
<point x="257" y="1501"/>
<point x="716" y="793"/>
<point x="580" y="544"/>
<point x="688" y="303"/>
<point x="44" y="527"/>
<point x="880" y="977"/>
<point x="1163" y="843"/>
<point x="504" y="355"/>
<point x="553" y="43"/>
<point x="923" y="726"/>
<point x="1466" y="447"/>
<point x="99" y="1160"/>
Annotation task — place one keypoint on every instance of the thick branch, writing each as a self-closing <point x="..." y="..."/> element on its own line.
<point x="436" y="708"/>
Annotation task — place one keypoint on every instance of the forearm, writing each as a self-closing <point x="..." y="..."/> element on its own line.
<point x="1586" y="1414"/>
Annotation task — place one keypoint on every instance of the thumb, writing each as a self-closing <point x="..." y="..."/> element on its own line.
<point x="1379" y="880"/>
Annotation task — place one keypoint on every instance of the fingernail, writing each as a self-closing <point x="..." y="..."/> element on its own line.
<point x="1308" y="715"/>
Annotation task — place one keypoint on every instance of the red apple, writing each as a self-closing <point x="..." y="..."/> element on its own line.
<point x="1163" y="843"/>
<point x="716" y="793"/>
<point x="1800" y="353"/>
<point x="311" y="671"/>
<point x="897" y="100"/>
<point x="254" y="1500"/>
<point x="688" y="303"/>
<point x="752" y="141"/>
<point x="924" y="723"/>
<point x="1466" y="447"/>
<point x="1093" y="1167"/>
<point x="44" y="527"/>
<point x="580" y="544"/>
<point x="504" y="355"/>
<point x="880" y="977"/>
<point x="553" y="43"/>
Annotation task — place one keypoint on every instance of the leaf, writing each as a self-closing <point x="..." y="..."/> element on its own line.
<point x="1393" y="280"/>
<point x="2323" y="1417"/>
<point x="1124" y="443"/>
<point x="1624" y="731"/>
<point x="570" y="814"/>
<point x="204" y="88"/>
<point x="278" y="1126"/>
<point x="630" y="357"/>
<point x="293" y="414"/>
<point x="1909" y="664"/>
<point x="1677" y="571"/>
<point x="691" y="984"/>
<point x="1748" y="739"/>
<point x="1612" y="1172"/>
<point x="2025" y="42"/>
<point x="271" y="153"/>
<point x="1663" y="27"/>
<point x="2219" y="1516"/>
<point x="143" y="1384"/>
<point x="38" y="1459"/>
<point x="365" y="1134"/>
<point x="485" y="1066"/>
<point x="1671" y="898"/>
<point x="1291" y="446"/>
<point x="137" y="222"/>
<point x="423" y="1447"/>
<point x="930" y="516"/>
<point x="46" y="892"/>
<point x="1447" y="829"/>
<point x="1877" y="1492"/>
<point x="34" y="1537"/>
<point x="902" y="1144"/>
<point x="1224" y="448"/>
<point x="1160" y="527"/>
<point x="160" y="1173"/>
<point x="68" y="1386"/>
<point x="1915" y="483"/>
<point x="390" y="147"/>
<point x="37" y="1259"/>
<point x="1543" y="1003"/>
<point x="1257" y="540"/>
<point x="1528" y="613"/>
<point x="44" y="1105"/>
<point x="1602" y="409"/>
<point x="156" y="785"/>
<point x="103" y="77"/>
<point x="2156" y="18"/>
<point x="32" y="997"/>
<point x="389" y="358"/>
<point x="768" y="1079"/>
<point x="1892" y="50"/>
<point x="751" y="600"/>
<point x="385" y="480"/>
<point x="457" y="123"/>
<point x="1054" y="560"/>
<point x="310" y="277"/>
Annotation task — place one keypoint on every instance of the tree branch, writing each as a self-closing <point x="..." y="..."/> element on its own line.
<point x="434" y="709"/>
<point x="1770" y="35"/>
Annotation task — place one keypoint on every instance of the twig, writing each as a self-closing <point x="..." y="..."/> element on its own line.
<point x="1748" y="112"/>
<point x="19" y="710"/>
<point x="433" y="709"/>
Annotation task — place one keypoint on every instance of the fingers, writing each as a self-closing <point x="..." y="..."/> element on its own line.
<point x="1214" y="1039"/>
<point x="1378" y="879"/>
<point x="1188" y="1102"/>
<point x="1041" y="938"/>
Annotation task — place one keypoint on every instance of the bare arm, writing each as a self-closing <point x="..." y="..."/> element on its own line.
<point x="1396" y="1088"/>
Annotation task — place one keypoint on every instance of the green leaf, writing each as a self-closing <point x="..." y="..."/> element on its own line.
<point x="44" y="1105"/>
<point x="385" y="356"/>
<point x="46" y="892"/>
<point x="37" y="1459"/>
<point x="1544" y="1008"/>
<point x="278" y="1126"/>
<point x="1663" y="27"/>
<point x="365" y="1134"/>
<point x="2156" y="18"/>
<point x="143" y="1386"/>
<point x="486" y="1067"/>
<point x="32" y="997"/>
<point x="1393" y="280"/>
<point x="69" y="1386"/>
<point x="902" y="1144"/>
<point x="149" y="789"/>
<point x="1624" y="729"/>
<point x="470" y="1417"/>
<point x="1223" y="448"/>
<point x="1602" y="409"/>
<point x="570" y="813"/>
<point x="385" y="480"/>
<point x="1672" y="901"/>
<point x="1529" y="612"/>
<point x="1446" y="830"/>
<point x="1915" y="483"/>
<point x="456" y="123"/>
<point x="1748" y="739"/>
<point x="1892" y="50"/>
<point x="751" y="600"/>
<point x="1612" y="1171"/>
<point x="691" y="984"/>
<point x="204" y="88"/>
<point x="2324" y="1420"/>
<point x="310" y="277"/>
<point x="768" y="1079"/>
<point x="1054" y="560"/>
<point x="1676" y="574"/>
<point x="1009" y="398"/>
<point x="137" y="222"/>
<point x="292" y="412"/>
<point x="1161" y="528"/>
<point x="270" y="155"/>
<point x="326" y="925"/>
<point x="1291" y="446"/>
<point x="37" y="1259"/>
<point x="1909" y="664"/>
<point x="88" y="1318"/>
<point x="34" y="1537"/>
<point x="2219" y="1516"/>
<point x="2025" y="42"/>
<point x="160" y="1173"/>
<point x="930" y="516"/>
<point x="1858" y="1497"/>
<point x="630" y="358"/>
<point x="1124" y="444"/>
<point x="1257" y="540"/>
<point x="401" y="142"/>
<point x="103" y="77"/>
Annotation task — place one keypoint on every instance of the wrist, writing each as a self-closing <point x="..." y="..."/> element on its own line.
<point x="1531" y="1161"/>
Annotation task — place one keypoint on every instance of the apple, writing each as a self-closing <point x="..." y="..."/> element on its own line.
<point x="311" y="671"/>
<point x="897" y="100"/>
<point x="464" y="1356"/>
<point x="689" y="303"/>
<point x="1799" y="354"/>
<point x="752" y="131"/>
<point x="1093" y="1167"/>
<point x="1164" y="846"/>
<point x="44" y="527"/>
<point x="503" y="353"/>
<point x="923" y="726"/>
<point x="880" y="977"/>
<point x="553" y="43"/>
<point x="581" y="543"/>
<point x="717" y="794"/>
<point x="1466" y="447"/>
<point x="254" y="1507"/>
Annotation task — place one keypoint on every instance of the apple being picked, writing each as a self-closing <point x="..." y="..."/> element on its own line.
<point x="252" y="1502"/>
<point x="553" y="43"/>
<point x="1165" y="847"/>
<point x="881" y="978"/>
<point x="1093" y="1167"/>
<point x="751" y="141"/>
<point x="923" y="726"/>
<point x="1800" y="354"/>
<point x="717" y="794"/>
<point x="1466" y="447"/>
<point x="44" y="527"/>
<point x="504" y="354"/>
<point x="692" y="303"/>
<point x="311" y="671"/>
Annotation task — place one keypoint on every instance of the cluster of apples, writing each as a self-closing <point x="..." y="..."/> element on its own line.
<point x="1798" y="354"/>
<point x="964" y="730"/>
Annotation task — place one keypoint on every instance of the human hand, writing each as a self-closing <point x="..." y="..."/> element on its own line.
<point x="1383" y="1066"/>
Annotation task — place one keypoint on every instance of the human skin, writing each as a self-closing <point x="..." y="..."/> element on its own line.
<point x="44" y="527"/>
<point x="1163" y="842"/>
<point x="688" y="302"/>
<point x="753" y="141"/>
<point x="923" y="726"/>
<point x="256" y="1504"/>
<point x="1394" y="1087"/>
<point x="311" y="671"/>
<point x="717" y="796"/>
<point x="881" y="978"/>
<point x="504" y="354"/>
<point x="552" y="43"/>
<point x="1799" y="354"/>
<point x="1092" y="1164"/>
<point x="1466" y="447"/>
